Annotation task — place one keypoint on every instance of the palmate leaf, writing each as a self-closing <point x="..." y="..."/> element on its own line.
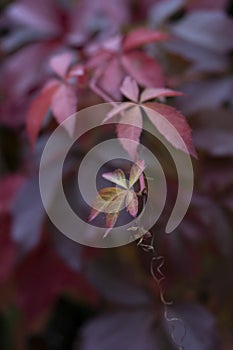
<point x="117" y="177"/>
<point x="111" y="200"/>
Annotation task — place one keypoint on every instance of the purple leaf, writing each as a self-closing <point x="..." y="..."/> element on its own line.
<point x="28" y="215"/>
<point x="40" y="15"/>
<point x="210" y="29"/>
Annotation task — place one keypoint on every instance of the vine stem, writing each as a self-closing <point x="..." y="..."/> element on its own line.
<point x="149" y="247"/>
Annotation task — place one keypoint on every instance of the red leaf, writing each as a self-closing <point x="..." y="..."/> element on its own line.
<point x="111" y="79"/>
<point x="142" y="36"/>
<point x="130" y="89"/>
<point x="144" y="69"/>
<point x="132" y="131"/>
<point x="157" y="112"/>
<point x="151" y="93"/>
<point x="64" y="103"/>
<point x="41" y="277"/>
<point x="60" y="63"/>
<point x="38" y="110"/>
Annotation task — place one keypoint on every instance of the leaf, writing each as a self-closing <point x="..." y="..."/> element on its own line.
<point x="114" y="280"/>
<point x="152" y="93"/>
<point x="129" y="129"/>
<point x="135" y="172"/>
<point x="215" y="142"/>
<point x="130" y="89"/>
<point x="38" y="110"/>
<point x="64" y="104"/>
<point x="28" y="214"/>
<point x="38" y="15"/>
<point x="111" y="79"/>
<point x="163" y="10"/>
<point x="43" y="267"/>
<point x="109" y="199"/>
<point x="142" y="36"/>
<point x="117" y="177"/>
<point x="60" y="63"/>
<point x="157" y="114"/>
<point x="209" y="29"/>
<point x="144" y="69"/>
<point x="120" y="108"/>
<point x="131" y="201"/>
<point x="117" y="329"/>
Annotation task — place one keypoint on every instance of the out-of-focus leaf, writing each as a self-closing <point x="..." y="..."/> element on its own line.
<point x="9" y="186"/>
<point x="28" y="215"/>
<point x="162" y="10"/>
<point x="64" y="103"/>
<point x="42" y="16"/>
<point x="205" y="95"/>
<point x="144" y="69"/>
<point x="38" y="110"/>
<point x="210" y="29"/>
<point x="141" y="36"/>
<point x="130" y="89"/>
<point x="200" y="327"/>
<point x="215" y="142"/>
<point x="160" y="111"/>
<point x="42" y="276"/>
<point x="115" y="281"/>
<point x="207" y="5"/>
<point x="60" y="63"/>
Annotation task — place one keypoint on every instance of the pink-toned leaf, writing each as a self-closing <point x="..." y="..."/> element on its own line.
<point x="130" y="89"/>
<point x="111" y="79"/>
<point x="156" y="112"/>
<point x="131" y="201"/>
<point x="38" y="110"/>
<point x="135" y="172"/>
<point x="144" y="69"/>
<point x="129" y="130"/>
<point x="151" y="93"/>
<point x="60" y="63"/>
<point x="119" y="109"/>
<point x="142" y="36"/>
<point x="117" y="177"/>
<point x="64" y="104"/>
